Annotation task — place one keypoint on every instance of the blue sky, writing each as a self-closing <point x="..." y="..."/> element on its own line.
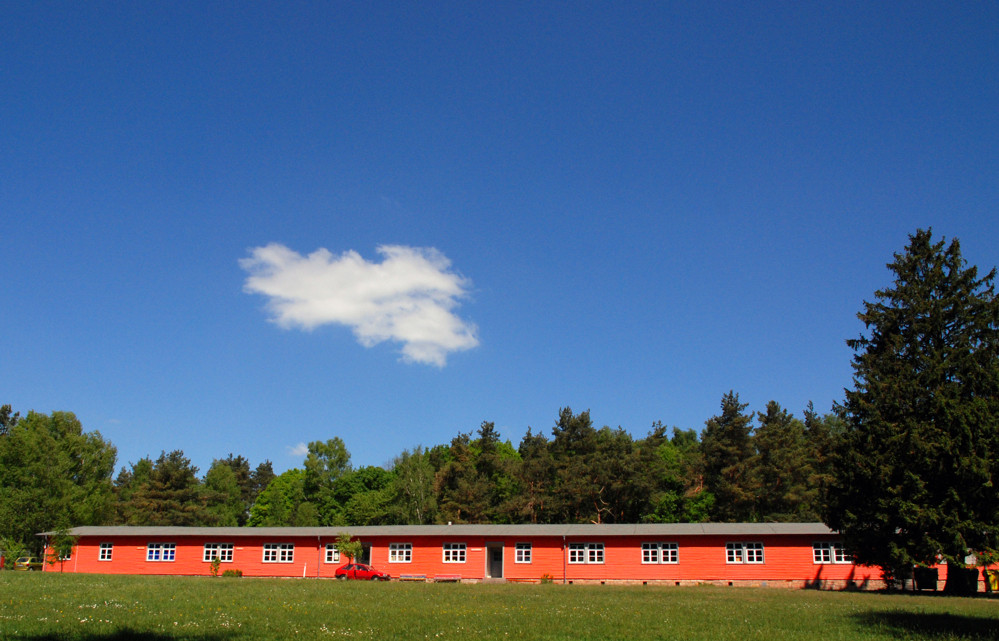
<point x="240" y="227"/>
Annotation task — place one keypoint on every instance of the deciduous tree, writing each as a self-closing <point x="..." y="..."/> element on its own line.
<point x="349" y="549"/>
<point x="414" y="500"/>
<point x="326" y="462"/>
<point x="282" y="503"/>
<point x="53" y="475"/>
<point x="223" y="495"/>
<point x="8" y="417"/>
<point x="677" y="466"/>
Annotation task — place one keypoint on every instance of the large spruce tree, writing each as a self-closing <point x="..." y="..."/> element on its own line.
<point x="916" y="475"/>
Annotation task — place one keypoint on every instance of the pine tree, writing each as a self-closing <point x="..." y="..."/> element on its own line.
<point x="536" y="478"/>
<point x="782" y="469"/>
<point x="916" y="474"/>
<point x="170" y="494"/>
<point x="728" y="452"/>
<point x="577" y="488"/>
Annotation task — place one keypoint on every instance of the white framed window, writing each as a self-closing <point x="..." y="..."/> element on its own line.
<point x="332" y="554"/>
<point x="400" y="552"/>
<point x="220" y="551"/>
<point x="829" y="552"/>
<point x="161" y="551"/>
<point x="279" y="552"/>
<point x="754" y="552"/>
<point x="454" y="552"/>
<point x="586" y="553"/>
<point x="660" y="553"/>
<point x="522" y="553"/>
<point x="105" y="551"/>
<point x="744" y="552"/>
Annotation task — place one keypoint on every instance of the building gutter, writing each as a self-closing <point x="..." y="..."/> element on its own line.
<point x="564" y="566"/>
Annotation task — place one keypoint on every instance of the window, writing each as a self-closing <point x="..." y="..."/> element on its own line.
<point x="279" y="552"/>
<point x="332" y="554"/>
<point x="829" y="552"/>
<point x="220" y="551"/>
<point x="744" y="552"/>
<point x="660" y="553"/>
<point x="586" y="553"/>
<point x="454" y="552"/>
<point x="105" y="552"/>
<point x="400" y="552"/>
<point x="523" y="553"/>
<point x="161" y="551"/>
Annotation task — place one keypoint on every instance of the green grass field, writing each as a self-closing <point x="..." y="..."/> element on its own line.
<point x="90" y="608"/>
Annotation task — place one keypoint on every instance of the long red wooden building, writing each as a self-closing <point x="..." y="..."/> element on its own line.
<point x="779" y="554"/>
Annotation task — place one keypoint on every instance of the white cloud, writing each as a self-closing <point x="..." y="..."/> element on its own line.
<point x="409" y="297"/>
<point x="299" y="450"/>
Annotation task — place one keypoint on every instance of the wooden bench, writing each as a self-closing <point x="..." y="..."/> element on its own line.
<point x="413" y="577"/>
<point x="447" y="578"/>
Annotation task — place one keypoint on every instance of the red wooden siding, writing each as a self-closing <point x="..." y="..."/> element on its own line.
<point x="788" y="558"/>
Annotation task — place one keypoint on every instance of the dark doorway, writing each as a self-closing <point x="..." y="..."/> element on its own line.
<point x="494" y="560"/>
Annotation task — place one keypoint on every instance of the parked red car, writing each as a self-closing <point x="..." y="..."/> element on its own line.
<point x="361" y="572"/>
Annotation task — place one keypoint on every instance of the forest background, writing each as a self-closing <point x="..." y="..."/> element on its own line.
<point x="743" y="466"/>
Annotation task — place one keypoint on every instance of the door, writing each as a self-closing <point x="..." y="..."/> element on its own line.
<point x="494" y="561"/>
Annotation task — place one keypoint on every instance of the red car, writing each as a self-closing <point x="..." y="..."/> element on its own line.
<point x="361" y="572"/>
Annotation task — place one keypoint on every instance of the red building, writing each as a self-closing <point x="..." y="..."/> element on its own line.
<point x="780" y="554"/>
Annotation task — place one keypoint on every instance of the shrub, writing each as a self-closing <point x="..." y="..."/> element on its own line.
<point x="233" y="572"/>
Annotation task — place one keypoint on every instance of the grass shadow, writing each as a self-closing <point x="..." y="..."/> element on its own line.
<point x="931" y="625"/>
<point x="130" y="635"/>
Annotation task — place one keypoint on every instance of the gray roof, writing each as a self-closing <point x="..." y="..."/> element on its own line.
<point x="569" y="530"/>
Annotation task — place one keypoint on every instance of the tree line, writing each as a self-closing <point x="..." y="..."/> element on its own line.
<point x="56" y="475"/>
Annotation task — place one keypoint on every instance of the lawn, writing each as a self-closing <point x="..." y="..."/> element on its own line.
<point x="41" y="606"/>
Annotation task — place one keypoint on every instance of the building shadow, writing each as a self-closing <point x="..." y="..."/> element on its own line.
<point x="922" y="625"/>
